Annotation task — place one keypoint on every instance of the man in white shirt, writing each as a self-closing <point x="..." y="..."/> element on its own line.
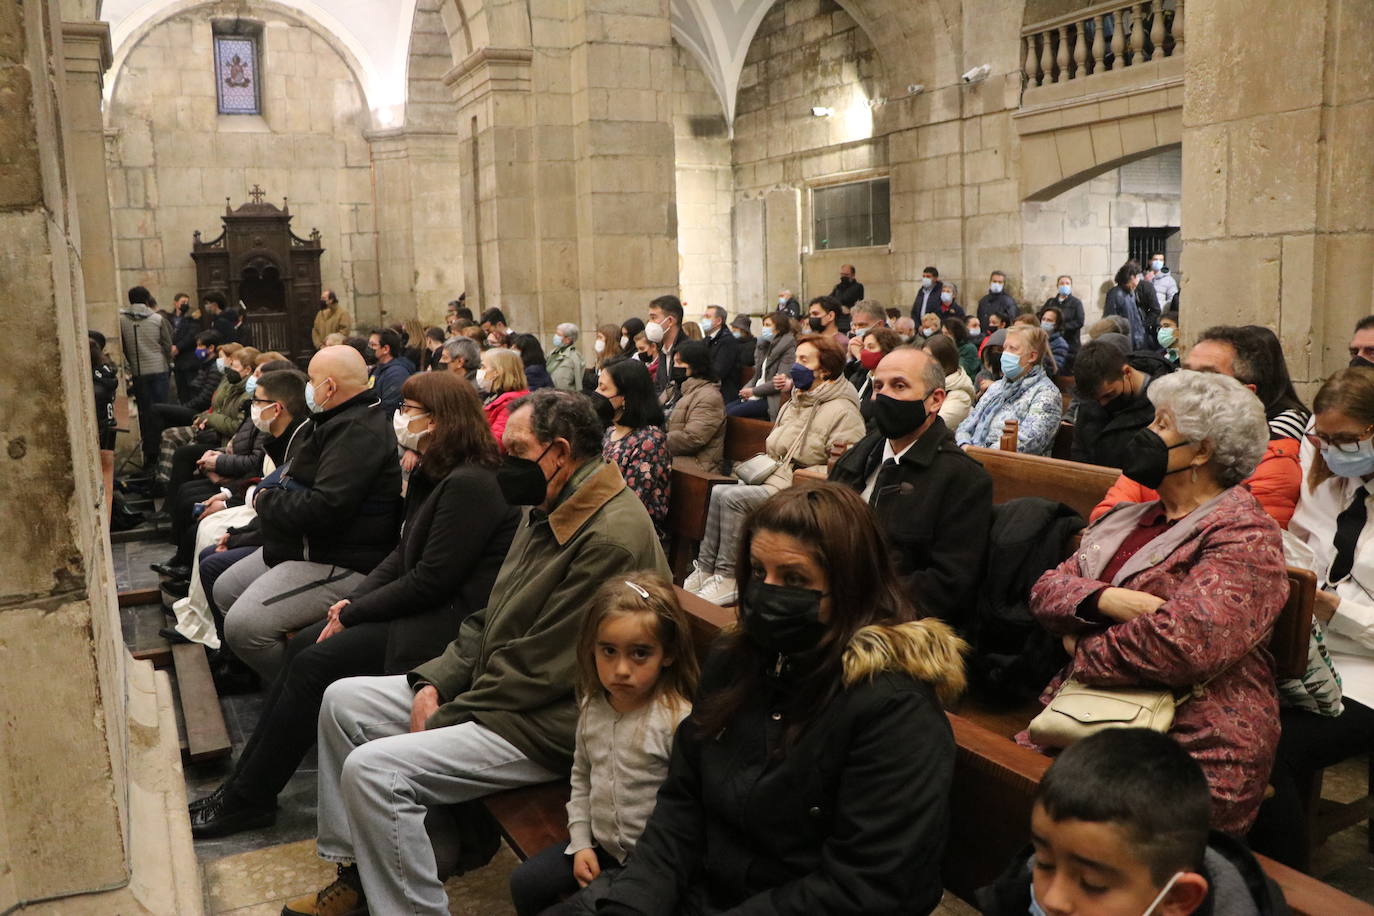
<point x="1166" y="287"/>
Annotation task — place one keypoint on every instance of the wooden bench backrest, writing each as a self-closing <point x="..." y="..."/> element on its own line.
<point x="1079" y="486"/>
<point x="995" y="781"/>
<point x="745" y="437"/>
<point x="1293" y="629"/>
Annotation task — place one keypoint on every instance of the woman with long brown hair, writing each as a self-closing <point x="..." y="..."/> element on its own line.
<point x="815" y="771"/>
<point x="457" y="530"/>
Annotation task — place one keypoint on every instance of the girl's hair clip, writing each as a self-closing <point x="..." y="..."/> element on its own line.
<point x="639" y="589"/>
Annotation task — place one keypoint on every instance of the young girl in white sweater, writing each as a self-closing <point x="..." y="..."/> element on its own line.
<point x="637" y="672"/>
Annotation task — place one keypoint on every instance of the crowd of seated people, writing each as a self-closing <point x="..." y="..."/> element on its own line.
<point x="469" y="593"/>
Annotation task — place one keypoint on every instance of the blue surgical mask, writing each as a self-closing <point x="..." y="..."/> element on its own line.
<point x="1066" y="290"/>
<point x="1048" y="327"/>
<point x="767" y="334"/>
<point x="994" y="288"/>
<point x="557" y="341"/>
<point x="946" y="298"/>
<point x="315" y="406"/>
<point x="1011" y="367"/>
<point x="1358" y="463"/>
<point x="802" y="377"/>
<point x="251" y="385"/>
<point x="737" y="332"/>
<point x="1166" y="337"/>
<point x="1156" y="264"/>
<point x="202" y="352"/>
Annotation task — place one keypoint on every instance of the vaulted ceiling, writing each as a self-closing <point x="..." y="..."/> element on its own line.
<point x="719" y="33"/>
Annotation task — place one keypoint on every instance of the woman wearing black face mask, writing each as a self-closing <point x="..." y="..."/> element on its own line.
<point x="815" y="774"/>
<point x="696" y="426"/>
<point x="636" y="441"/>
<point x="1184" y="590"/>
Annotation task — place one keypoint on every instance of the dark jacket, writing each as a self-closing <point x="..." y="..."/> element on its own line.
<point x="224" y="324"/>
<point x="1121" y="301"/>
<point x="387" y="381"/>
<point x="935" y="510"/>
<point x="851" y="818"/>
<point x="105" y="378"/>
<point x="455" y="538"/>
<point x="1235" y="880"/>
<point x="537" y="376"/>
<point x="184" y="339"/>
<point x="203" y="387"/>
<point x="513" y="664"/>
<point x="772" y="357"/>
<point x="1150" y="312"/>
<point x="997" y="304"/>
<point x="1102" y="435"/>
<point x="724" y="351"/>
<point x="244" y="456"/>
<point x="927" y="300"/>
<point x="848" y="294"/>
<point x="340" y="501"/>
<point x="1071" y="318"/>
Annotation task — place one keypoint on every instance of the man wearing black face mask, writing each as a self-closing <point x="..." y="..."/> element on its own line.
<point x="497" y="709"/>
<point x="332" y="318"/>
<point x="847" y="293"/>
<point x="1112" y="404"/>
<point x="1362" y="343"/>
<point x="933" y="502"/>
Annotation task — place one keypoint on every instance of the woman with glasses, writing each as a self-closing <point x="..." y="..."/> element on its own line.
<point x="1182" y="592"/>
<point x="457" y="530"/>
<point x="1331" y="520"/>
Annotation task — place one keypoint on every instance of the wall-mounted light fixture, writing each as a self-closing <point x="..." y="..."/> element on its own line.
<point x="820" y="112"/>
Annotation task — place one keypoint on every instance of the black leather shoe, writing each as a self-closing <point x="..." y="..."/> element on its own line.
<point x="176" y="588"/>
<point x="171" y="571"/>
<point x="172" y="636"/>
<point x="213" y="798"/>
<point x="227" y="815"/>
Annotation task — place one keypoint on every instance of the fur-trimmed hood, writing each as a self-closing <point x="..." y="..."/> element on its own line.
<point x="927" y="650"/>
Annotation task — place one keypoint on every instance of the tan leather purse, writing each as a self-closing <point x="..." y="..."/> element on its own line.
<point x="1078" y="711"/>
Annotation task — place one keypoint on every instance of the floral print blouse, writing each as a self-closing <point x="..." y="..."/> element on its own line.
<point x="646" y="465"/>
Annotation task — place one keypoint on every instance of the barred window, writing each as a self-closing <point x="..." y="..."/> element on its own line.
<point x="855" y="215"/>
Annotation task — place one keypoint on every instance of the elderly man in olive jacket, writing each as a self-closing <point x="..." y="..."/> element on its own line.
<point x="497" y="709"/>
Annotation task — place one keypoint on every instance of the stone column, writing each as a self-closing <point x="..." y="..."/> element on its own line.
<point x="567" y="167"/>
<point x="91" y="795"/>
<point x="1278" y="184"/>
<point x="86" y="55"/>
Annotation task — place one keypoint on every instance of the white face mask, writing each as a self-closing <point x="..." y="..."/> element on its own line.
<point x="481" y="379"/>
<point x="654" y="331"/>
<point x="599" y="346"/>
<point x="624" y="341"/>
<point x="994" y="287"/>
<point x="404" y="437"/>
<point x="782" y="300"/>
<point x="927" y="283"/>
<point x="1156" y="264"/>
<point x="219" y="364"/>
<point x="256" y="413"/>
<point x="946" y="298"/>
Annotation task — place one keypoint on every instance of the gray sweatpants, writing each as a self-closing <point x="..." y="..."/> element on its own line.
<point x="376" y="780"/>
<point x="725" y="523"/>
<point x="262" y="604"/>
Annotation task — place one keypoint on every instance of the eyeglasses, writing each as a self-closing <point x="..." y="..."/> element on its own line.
<point x="263" y="401"/>
<point x="1345" y="444"/>
<point x="412" y="410"/>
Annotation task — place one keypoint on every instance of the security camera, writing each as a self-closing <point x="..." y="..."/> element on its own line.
<point x="977" y="73"/>
<point x="914" y="88"/>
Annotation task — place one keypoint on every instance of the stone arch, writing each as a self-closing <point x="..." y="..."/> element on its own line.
<point x="1067" y="157"/>
<point x="340" y="42"/>
<point x="476" y="24"/>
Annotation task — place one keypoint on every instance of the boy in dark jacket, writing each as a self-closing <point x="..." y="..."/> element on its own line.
<point x="1113" y="406"/>
<point x="1120" y="825"/>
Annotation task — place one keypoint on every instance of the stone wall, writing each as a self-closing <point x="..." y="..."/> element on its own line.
<point x="177" y="159"/>
<point x="705" y="188"/>
<point x="806" y="53"/>
<point x="1084" y="231"/>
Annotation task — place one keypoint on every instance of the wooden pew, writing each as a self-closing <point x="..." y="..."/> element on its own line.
<point x="689" y="496"/>
<point x="1080" y="486"/>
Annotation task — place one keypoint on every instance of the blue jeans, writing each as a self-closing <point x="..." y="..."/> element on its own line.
<point x="755" y="408"/>
<point x="149" y="390"/>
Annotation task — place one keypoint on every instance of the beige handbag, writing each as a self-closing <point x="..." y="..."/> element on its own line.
<point x="758" y="469"/>
<point x="1078" y="711"/>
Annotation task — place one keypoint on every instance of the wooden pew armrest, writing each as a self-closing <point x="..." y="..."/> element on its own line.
<point x="801" y="475"/>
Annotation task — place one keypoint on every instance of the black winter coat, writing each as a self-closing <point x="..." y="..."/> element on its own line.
<point x="851" y="819"/>
<point x="725" y="360"/>
<point x="203" y="387"/>
<point x="454" y="541"/>
<point x="935" y="510"/>
<point x="184" y="339"/>
<point x="340" y="500"/>
<point x="244" y="459"/>
<point x="1072" y="318"/>
<point x="996" y="304"/>
<point x="1102" y="435"/>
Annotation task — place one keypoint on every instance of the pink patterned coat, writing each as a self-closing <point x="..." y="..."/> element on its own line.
<point x="1221" y="571"/>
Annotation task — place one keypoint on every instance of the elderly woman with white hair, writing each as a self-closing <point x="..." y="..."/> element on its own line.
<point x="1180" y="594"/>
<point x="565" y="363"/>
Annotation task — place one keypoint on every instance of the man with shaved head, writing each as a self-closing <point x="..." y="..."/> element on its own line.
<point x="330" y="516"/>
<point x="933" y="502"/>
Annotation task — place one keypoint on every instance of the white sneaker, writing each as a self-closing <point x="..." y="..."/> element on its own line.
<point x="696" y="578"/>
<point x="718" y="590"/>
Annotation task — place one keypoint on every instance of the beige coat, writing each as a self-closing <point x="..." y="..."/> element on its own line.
<point x="959" y="397"/>
<point x="333" y="320"/>
<point x="835" y="406"/>
<point x="696" y="428"/>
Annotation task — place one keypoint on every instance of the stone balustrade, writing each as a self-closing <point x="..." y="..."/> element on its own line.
<point x="1108" y="36"/>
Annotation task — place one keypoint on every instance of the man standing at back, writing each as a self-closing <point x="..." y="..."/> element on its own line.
<point x="932" y="501"/>
<point x="332" y="318"/>
<point x="497" y="709"/>
<point x="724" y="349"/>
<point x="147" y="340"/>
<point x="847" y="292"/>
<point x="997" y="301"/>
<point x="928" y="296"/>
